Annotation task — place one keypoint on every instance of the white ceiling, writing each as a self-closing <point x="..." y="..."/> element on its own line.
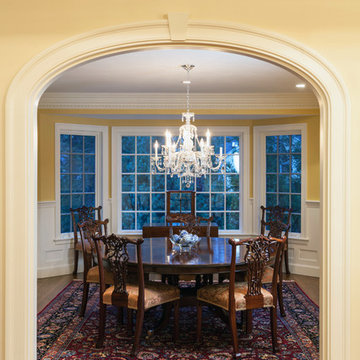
<point x="160" y="71"/>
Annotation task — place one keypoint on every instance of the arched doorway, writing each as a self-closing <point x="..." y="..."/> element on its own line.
<point x="21" y="162"/>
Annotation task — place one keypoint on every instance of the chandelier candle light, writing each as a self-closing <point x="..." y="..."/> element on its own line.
<point x="188" y="157"/>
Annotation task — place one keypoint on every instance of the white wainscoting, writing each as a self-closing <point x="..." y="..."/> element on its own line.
<point x="305" y="253"/>
<point x="56" y="257"/>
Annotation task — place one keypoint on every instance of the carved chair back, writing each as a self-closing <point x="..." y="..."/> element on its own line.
<point x="182" y="200"/>
<point x="277" y="219"/>
<point x="188" y="222"/>
<point x="82" y="214"/>
<point x="257" y="256"/>
<point x="208" y="223"/>
<point x="117" y="256"/>
<point x="88" y="229"/>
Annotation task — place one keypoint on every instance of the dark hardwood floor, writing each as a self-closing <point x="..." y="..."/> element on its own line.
<point x="48" y="288"/>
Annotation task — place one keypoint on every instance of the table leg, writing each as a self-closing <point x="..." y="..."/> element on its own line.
<point x="163" y="322"/>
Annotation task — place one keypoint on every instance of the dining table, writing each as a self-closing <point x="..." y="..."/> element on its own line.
<point x="212" y="255"/>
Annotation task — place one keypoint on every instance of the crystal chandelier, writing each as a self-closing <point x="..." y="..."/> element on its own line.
<point x="188" y="157"/>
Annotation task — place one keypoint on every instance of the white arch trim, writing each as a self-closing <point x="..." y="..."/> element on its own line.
<point x="21" y="163"/>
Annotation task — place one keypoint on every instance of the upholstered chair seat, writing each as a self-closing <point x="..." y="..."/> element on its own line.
<point x="155" y="294"/>
<point x="218" y="295"/>
<point x="93" y="276"/>
<point x="268" y="275"/>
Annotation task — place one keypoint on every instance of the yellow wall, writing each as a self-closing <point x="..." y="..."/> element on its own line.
<point x="46" y="141"/>
<point x="329" y="28"/>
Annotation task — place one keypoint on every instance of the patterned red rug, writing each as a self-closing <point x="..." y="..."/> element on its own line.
<point x="62" y="334"/>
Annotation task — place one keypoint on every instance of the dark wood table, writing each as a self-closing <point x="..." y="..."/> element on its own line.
<point x="162" y="229"/>
<point x="213" y="255"/>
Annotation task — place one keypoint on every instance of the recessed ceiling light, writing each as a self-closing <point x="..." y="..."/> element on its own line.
<point x="300" y="86"/>
<point x="186" y="82"/>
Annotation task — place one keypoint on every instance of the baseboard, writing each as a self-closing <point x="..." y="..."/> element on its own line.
<point x="307" y="270"/>
<point x="57" y="270"/>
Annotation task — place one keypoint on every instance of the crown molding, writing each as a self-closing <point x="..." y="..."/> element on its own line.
<point x="68" y="100"/>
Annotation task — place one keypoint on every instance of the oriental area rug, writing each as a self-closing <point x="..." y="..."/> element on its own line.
<point x="63" y="334"/>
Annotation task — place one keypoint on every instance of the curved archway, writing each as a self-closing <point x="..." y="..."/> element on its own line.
<point x="21" y="162"/>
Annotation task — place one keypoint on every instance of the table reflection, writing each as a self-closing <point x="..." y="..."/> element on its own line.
<point x="209" y="251"/>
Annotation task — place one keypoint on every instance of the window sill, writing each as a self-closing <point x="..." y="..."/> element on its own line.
<point x="64" y="239"/>
<point x="298" y="238"/>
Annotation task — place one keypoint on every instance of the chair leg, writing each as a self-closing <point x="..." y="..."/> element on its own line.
<point x="248" y="321"/>
<point x="286" y="255"/>
<point x="199" y="321"/>
<point x="281" y="299"/>
<point x="273" y="321"/>
<point x="221" y="278"/>
<point x="76" y="261"/>
<point x="234" y="334"/>
<point x="207" y="279"/>
<point x="130" y="322"/>
<point x="120" y="315"/>
<point x="211" y="279"/>
<point x="84" y="298"/>
<point x="198" y="281"/>
<point x="176" y="320"/>
<point x="139" y="326"/>
<point x="102" y="311"/>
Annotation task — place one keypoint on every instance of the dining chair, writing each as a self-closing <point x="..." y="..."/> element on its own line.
<point x="245" y="296"/>
<point x="273" y="218"/>
<point x="80" y="215"/>
<point x="87" y="230"/>
<point x="269" y="270"/>
<point x="188" y="222"/>
<point x="278" y="229"/>
<point x="191" y="224"/>
<point x="139" y="295"/>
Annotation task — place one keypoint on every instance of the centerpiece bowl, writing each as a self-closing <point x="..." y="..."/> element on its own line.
<point x="184" y="241"/>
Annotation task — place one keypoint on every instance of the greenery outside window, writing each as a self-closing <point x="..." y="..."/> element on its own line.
<point x="283" y="175"/>
<point x="81" y="171"/>
<point x="139" y="196"/>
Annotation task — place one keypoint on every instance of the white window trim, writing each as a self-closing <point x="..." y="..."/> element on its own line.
<point x="259" y="180"/>
<point x="101" y="167"/>
<point x="242" y="131"/>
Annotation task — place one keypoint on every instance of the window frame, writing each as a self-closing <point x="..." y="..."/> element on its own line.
<point x="241" y="131"/>
<point x="259" y="166"/>
<point x="101" y="167"/>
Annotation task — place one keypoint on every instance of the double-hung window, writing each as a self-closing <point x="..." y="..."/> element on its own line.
<point x="80" y="164"/>
<point x="141" y="194"/>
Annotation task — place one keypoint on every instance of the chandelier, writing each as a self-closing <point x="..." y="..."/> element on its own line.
<point x="187" y="157"/>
